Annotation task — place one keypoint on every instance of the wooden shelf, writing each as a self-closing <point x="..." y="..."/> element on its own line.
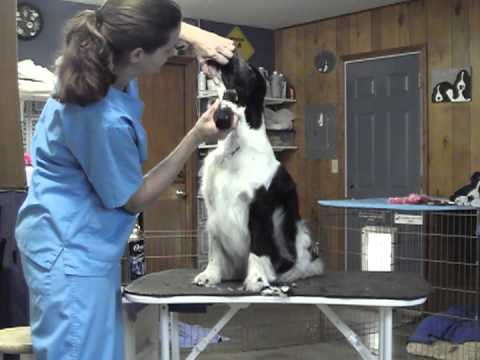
<point x="278" y="101"/>
<point x="275" y="148"/>
<point x="207" y="94"/>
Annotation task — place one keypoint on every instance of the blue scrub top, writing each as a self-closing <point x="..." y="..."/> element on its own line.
<point x="86" y="165"/>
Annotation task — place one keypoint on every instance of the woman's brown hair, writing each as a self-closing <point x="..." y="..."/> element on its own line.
<point x="95" y="41"/>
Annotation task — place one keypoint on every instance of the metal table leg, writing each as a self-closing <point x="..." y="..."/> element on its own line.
<point x="349" y="334"/>
<point x="164" y="333"/>
<point x="386" y="334"/>
<point x="175" y="336"/>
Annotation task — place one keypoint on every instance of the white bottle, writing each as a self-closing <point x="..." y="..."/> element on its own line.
<point x="202" y="81"/>
<point x="283" y="86"/>
<point x="275" y="84"/>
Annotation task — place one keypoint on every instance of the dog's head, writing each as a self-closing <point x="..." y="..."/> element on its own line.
<point x="463" y="84"/>
<point x="245" y="87"/>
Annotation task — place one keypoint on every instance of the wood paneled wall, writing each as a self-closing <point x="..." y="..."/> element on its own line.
<point x="12" y="173"/>
<point x="450" y="32"/>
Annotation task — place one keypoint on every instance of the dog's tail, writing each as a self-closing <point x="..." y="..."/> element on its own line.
<point x="306" y="264"/>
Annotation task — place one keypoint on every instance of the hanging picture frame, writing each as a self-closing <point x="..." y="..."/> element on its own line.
<point x="452" y="85"/>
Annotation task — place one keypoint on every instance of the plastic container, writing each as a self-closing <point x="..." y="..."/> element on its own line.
<point x="283" y="86"/>
<point x="275" y="83"/>
<point x="202" y="81"/>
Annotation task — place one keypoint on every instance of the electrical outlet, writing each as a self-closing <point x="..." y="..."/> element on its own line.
<point x="334" y="166"/>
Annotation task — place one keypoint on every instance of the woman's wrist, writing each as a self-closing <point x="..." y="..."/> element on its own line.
<point x="191" y="34"/>
<point x="197" y="135"/>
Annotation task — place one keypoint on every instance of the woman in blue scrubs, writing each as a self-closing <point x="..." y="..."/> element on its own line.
<point x="87" y="183"/>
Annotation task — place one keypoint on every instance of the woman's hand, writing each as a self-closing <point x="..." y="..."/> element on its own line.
<point x="213" y="47"/>
<point x="205" y="128"/>
<point x="207" y="45"/>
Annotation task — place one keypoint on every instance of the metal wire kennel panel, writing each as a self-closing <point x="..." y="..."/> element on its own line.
<point x="167" y="249"/>
<point x="441" y="246"/>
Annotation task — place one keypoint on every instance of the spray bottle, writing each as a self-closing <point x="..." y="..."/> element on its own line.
<point x="136" y="254"/>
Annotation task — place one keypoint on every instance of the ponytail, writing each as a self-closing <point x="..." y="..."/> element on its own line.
<point x="85" y="70"/>
<point x="96" y="41"/>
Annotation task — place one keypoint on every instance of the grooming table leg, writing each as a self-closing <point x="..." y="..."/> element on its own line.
<point x="349" y="334"/>
<point x="234" y="308"/>
<point x="175" y="336"/>
<point x="164" y="333"/>
<point x="386" y="334"/>
<point x="129" y="319"/>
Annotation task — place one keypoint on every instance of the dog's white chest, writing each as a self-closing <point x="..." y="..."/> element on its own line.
<point x="230" y="179"/>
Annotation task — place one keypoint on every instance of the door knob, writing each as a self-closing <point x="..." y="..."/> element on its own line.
<point x="180" y="194"/>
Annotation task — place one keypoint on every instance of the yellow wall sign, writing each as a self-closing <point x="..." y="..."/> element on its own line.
<point x="244" y="46"/>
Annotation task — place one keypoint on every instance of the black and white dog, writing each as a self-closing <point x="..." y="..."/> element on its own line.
<point x="254" y="226"/>
<point x="469" y="194"/>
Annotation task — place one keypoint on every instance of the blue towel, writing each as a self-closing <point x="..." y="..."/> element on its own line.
<point x="447" y="327"/>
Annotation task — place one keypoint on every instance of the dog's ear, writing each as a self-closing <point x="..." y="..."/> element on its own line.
<point x="254" y="109"/>
<point x="261" y="88"/>
<point x="475" y="177"/>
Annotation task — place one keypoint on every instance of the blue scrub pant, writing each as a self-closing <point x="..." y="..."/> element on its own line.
<point x="74" y="317"/>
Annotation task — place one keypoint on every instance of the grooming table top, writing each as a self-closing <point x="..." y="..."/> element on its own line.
<point x="382" y="203"/>
<point x="354" y="288"/>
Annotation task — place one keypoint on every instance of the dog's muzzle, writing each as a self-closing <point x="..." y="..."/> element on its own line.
<point x="223" y="117"/>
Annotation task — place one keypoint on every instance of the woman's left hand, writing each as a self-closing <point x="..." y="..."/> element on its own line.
<point x="211" y="46"/>
<point x="208" y="46"/>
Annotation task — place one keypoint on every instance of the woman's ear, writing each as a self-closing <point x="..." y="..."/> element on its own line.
<point x="136" y="56"/>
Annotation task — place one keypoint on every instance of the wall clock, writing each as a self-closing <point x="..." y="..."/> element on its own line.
<point x="325" y="61"/>
<point x="29" y="21"/>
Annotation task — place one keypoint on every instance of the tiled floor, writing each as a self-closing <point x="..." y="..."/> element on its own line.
<point x="334" y="350"/>
<point x="330" y="345"/>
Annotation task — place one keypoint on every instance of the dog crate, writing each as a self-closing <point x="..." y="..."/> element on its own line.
<point x="438" y="242"/>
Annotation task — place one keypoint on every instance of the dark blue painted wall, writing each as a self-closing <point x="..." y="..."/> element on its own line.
<point x="43" y="49"/>
<point x="262" y="41"/>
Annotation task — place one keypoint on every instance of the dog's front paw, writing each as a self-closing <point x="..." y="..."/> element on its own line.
<point x="462" y="201"/>
<point x="207" y="278"/>
<point x="255" y="283"/>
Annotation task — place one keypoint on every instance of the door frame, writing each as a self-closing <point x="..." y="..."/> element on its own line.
<point x="391" y="53"/>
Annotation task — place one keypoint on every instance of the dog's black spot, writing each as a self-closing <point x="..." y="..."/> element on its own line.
<point x="282" y="194"/>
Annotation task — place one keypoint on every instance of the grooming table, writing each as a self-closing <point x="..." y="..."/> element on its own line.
<point x="382" y="290"/>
